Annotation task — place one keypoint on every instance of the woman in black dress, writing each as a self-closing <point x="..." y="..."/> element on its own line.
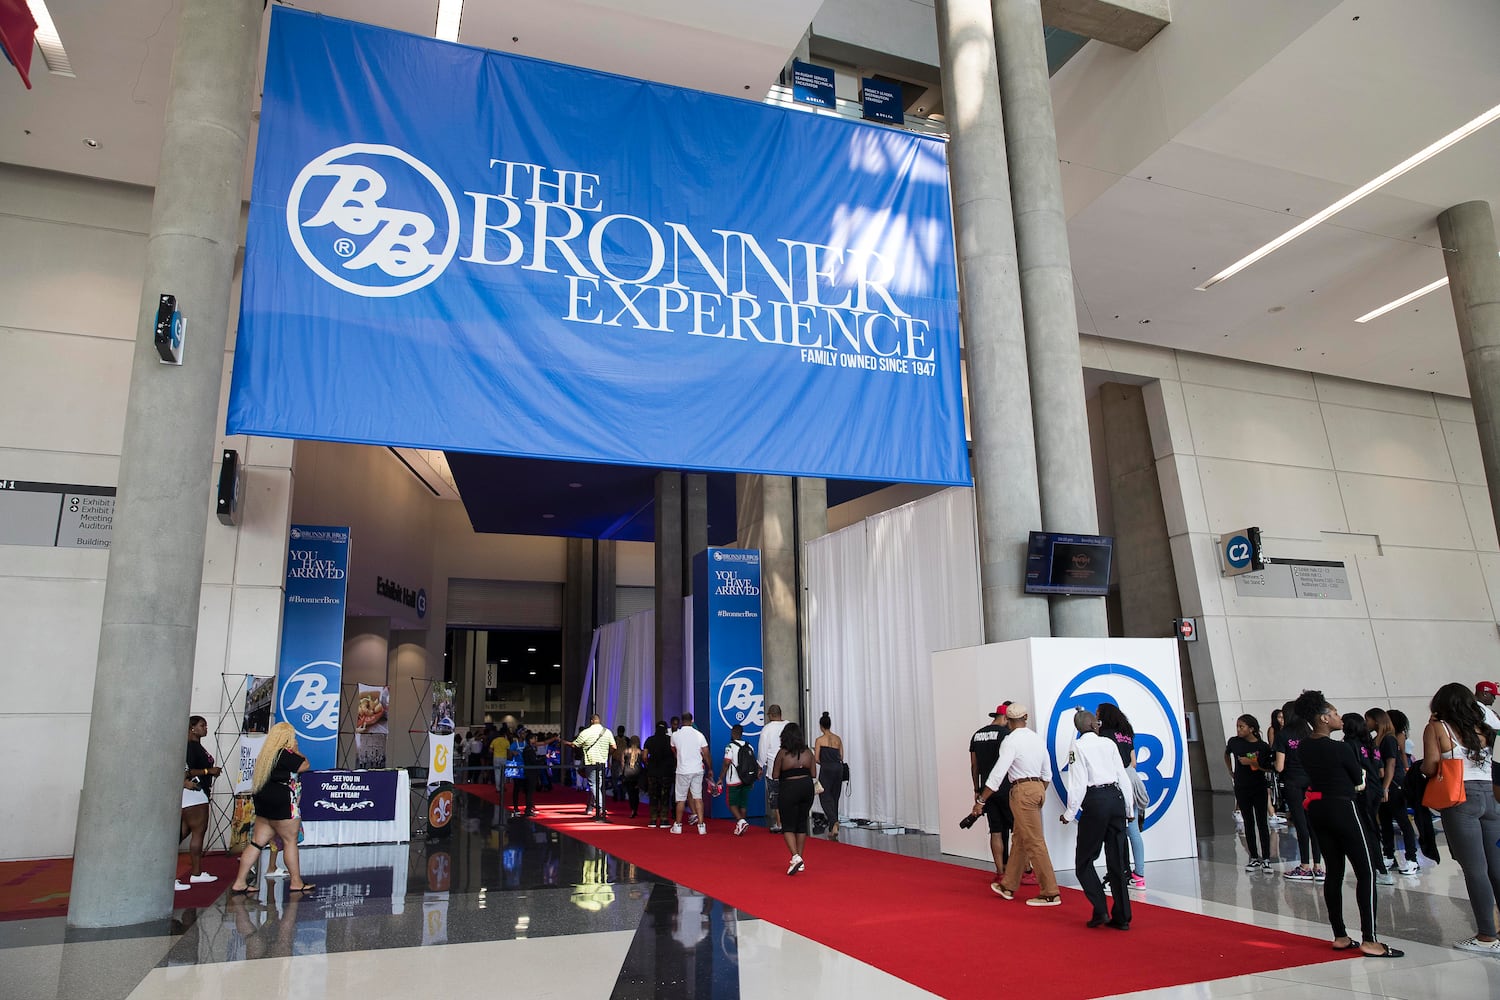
<point x="793" y="768"/>
<point x="830" y="751"/>
<point x="277" y="763"/>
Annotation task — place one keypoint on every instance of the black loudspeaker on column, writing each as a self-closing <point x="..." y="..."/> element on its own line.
<point x="227" y="504"/>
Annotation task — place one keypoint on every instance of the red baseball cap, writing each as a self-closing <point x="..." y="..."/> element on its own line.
<point x="999" y="711"/>
<point x="1487" y="687"/>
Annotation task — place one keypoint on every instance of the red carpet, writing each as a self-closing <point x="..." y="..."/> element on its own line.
<point x="938" y="925"/>
<point x="33" y="890"/>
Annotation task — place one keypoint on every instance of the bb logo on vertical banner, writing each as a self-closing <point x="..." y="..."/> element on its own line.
<point x="741" y="701"/>
<point x="351" y="240"/>
<point x="1159" y="748"/>
<point x="310" y="700"/>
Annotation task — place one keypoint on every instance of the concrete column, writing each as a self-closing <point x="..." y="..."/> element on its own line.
<point x="606" y="580"/>
<point x="694" y="525"/>
<point x="1064" y="471"/>
<point x="812" y="522"/>
<point x="578" y="624"/>
<point x="1468" y="235"/>
<point x="1004" y="448"/>
<point x="767" y="522"/>
<point x="671" y="699"/>
<point x="125" y="850"/>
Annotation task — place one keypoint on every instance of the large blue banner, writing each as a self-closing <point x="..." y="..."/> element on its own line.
<point x="312" y="640"/>
<point x="460" y="249"/>
<point x="728" y="680"/>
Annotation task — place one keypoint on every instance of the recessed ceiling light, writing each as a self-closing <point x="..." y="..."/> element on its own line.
<point x="533" y="673"/>
<point x="1403" y="300"/>
<point x="1369" y="187"/>
<point x="504" y="661"/>
<point x="531" y="649"/>
<point x="557" y="666"/>
<point x="450" y="13"/>
<point x="91" y="143"/>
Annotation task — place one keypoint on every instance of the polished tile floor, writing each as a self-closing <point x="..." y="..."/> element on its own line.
<point x="504" y="905"/>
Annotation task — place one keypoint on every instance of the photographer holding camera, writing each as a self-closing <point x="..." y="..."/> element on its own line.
<point x="984" y="750"/>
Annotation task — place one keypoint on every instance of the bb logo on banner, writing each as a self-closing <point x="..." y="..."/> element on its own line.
<point x="1159" y="749"/>
<point x="310" y="700"/>
<point x="741" y="701"/>
<point x="370" y="243"/>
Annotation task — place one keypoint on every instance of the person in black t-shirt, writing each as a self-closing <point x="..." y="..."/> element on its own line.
<point x="1249" y="758"/>
<point x="1392" y="808"/>
<point x="1336" y="778"/>
<point x="197" y="785"/>
<point x="661" y="764"/>
<point x="1294" y="781"/>
<point x="984" y="750"/>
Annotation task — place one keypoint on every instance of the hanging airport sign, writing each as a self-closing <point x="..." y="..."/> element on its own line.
<point x="813" y="84"/>
<point x="559" y="263"/>
<point x="883" y="101"/>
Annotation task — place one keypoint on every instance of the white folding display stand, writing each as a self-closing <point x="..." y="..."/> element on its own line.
<point x="1054" y="677"/>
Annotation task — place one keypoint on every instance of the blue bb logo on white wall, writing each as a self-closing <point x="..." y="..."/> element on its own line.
<point x="1159" y="750"/>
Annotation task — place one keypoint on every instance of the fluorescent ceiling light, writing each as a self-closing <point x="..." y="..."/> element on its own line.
<point x="449" y="14"/>
<point x="1457" y="135"/>
<point x="47" y="40"/>
<point x="1403" y="300"/>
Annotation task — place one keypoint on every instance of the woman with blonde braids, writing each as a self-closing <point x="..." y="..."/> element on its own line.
<point x="272" y="787"/>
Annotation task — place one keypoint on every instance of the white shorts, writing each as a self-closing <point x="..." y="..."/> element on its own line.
<point x="690" y="786"/>
<point x="193" y="797"/>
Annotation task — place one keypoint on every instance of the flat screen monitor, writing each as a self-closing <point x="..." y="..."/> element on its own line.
<point x="1068" y="564"/>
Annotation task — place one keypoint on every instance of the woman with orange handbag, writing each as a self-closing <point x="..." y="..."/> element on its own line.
<point x="1457" y="748"/>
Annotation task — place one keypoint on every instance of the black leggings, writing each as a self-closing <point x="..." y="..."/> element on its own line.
<point x="1336" y="823"/>
<point x="1306" y="836"/>
<point x="1252" y="803"/>
<point x="1393" y="814"/>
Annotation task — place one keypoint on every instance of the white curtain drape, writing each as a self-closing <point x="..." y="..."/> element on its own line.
<point x="622" y="673"/>
<point x="883" y="595"/>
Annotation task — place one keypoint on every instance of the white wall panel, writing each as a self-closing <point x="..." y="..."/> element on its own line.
<point x="1167" y="417"/>
<point x="1481" y="517"/>
<point x="61" y="564"/>
<point x="261" y="553"/>
<point x="1124" y="358"/>
<point x="1226" y="373"/>
<point x="1348" y="392"/>
<point x="254" y="630"/>
<point x="63" y="393"/>
<point x="1413" y="512"/>
<point x="51" y="630"/>
<point x="1454" y="408"/>
<point x="1252" y="427"/>
<point x="1387" y="444"/>
<point x="1463" y="449"/>
<point x="59" y="466"/>
<point x="1283" y="500"/>
<point x="1194" y="561"/>
<point x="1181" y="494"/>
<point x="1418" y="656"/>
<point x="1489" y="565"/>
<point x="1425" y="583"/>
<point x="211" y="653"/>
<point x="1278" y="657"/>
<point x="39" y="809"/>
<point x="97" y="294"/>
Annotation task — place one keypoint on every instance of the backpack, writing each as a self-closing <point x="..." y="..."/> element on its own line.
<point x="745" y="765"/>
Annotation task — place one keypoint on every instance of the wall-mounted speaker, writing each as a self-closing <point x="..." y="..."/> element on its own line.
<point x="227" y="504"/>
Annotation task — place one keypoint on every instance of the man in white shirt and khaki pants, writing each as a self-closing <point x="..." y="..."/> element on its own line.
<point x="1025" y="760"/>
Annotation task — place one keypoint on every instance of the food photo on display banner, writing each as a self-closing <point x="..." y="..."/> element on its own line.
<point x="371" y="726"/>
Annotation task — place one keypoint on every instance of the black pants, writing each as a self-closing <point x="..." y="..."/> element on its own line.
<point x="1252" y="802"/>
<point x="1306" y="836"/>
<point x="659" y="788"/>
<point x="1336" y="824"/>
<point x="1393" y="814"/>
<point x="1368" y="805"/>
<point x="527" y="784"/>
<point x="633" y="792"/>
<point x="1101" y="823"/>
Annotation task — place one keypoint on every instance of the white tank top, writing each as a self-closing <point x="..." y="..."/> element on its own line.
<point x="1472" y="771"/>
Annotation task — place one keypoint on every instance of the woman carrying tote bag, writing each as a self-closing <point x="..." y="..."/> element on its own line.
<point x="1457" y="749"/>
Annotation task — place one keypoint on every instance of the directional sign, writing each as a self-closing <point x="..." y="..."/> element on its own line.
<point x="1240" y="552"/>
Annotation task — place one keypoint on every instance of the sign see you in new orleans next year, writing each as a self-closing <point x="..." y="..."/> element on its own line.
<point x="554" y="262"/>
<point x="312" y="640"/>
<point x="729" y="689"/>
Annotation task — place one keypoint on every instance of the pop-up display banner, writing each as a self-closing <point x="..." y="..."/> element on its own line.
<point x="728" y="685"/>
<point x="312" y="640"/>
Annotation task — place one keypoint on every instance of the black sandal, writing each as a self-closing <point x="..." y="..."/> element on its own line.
<point x="240" y="892"/>
<point x="304" y="887"/>
<point x="1388" y="953"/>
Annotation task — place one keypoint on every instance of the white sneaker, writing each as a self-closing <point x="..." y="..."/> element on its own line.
<point x="676" y="827"/>
<point x="796" y="865"/>
<point x="1483" y="947"/>
<point x="180" y="886"/>
<point x="702" y="829"/>
<point x="1409" y="868"/>
<point x="740" y="827"/>
<point x="203" y="877"/>
<point x="1390" y="863"/>
<point x="1384" y="878"/>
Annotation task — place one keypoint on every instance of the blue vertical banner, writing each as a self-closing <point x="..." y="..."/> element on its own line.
<point x="312" y="640"/>
<point x="728" y="688"/>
